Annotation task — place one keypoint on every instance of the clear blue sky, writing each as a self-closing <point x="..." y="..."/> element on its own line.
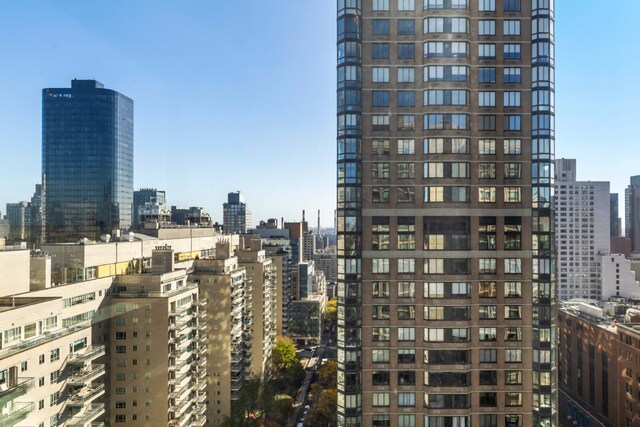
<point x="234" y="95"/>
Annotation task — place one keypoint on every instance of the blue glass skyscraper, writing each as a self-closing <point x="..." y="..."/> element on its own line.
<point x="87" y="161"/>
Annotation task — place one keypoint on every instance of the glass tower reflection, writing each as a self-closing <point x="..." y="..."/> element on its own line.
<point x="87" y="161"/>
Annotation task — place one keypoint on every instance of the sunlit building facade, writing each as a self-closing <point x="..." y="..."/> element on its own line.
<point x="446" y="282"/>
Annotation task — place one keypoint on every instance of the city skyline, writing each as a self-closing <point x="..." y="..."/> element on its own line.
<point x="285" y="88"/>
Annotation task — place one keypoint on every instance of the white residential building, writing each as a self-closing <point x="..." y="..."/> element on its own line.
<point x="582" y="232"/>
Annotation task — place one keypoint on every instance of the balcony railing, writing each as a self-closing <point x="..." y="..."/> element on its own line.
<point x="42" y="339"/>
<point x="199" y="422"/>
<point x="18" y="412"/>
<point x="85" y="395"/>
<point x="90" y="353"/>
<point x="14" y="391"/>
<point x="85" y="375"/>
<point x="92" y="412"/>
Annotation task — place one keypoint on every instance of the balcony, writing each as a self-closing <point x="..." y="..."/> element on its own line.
<point x="10" y="393"/>
<point x="85" y="395"/>
<point x="90" y="353"/>
<point x="88" y="374"/>
<point x="92" y="412"/>
<point x="200" y="302"/>
<point x="199" y="422"/>
<point x="201" y="387"/>
<point x="18" y="412"/>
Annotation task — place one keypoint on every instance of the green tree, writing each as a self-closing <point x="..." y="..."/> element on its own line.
<point x="328" y="374"/>
<point x="331" y="312"/>
<point x="323" y="413"/>
<point x="284" y="355"/>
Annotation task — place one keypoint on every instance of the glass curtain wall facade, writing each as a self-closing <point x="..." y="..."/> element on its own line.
<point x="87" y="161"/>
<point x="446" y="270"/>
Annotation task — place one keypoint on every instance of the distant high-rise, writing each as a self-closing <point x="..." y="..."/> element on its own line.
<point x="87" y="161"/>
<point x="632" y="212"/>
<point x="18" y="217"/>
<point x="446" y="273"/>
<point x="236" y="216"/>
<point x="582" y="232"/>
<point x="147" y="197"/>
<point x="616" y="226"/>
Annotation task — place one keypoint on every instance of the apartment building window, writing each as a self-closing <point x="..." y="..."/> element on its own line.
<point x="433" y="194"/>
<point x="446" y="233"/>
<point x="121" y="418"/>
<point x="406" y="27"/>
<point x="487" y="99"/>
<point x="512" y="147"/>
<point x="406" y="233"/>
<point x="512" y="51"/>
<point x="380" y="147"/>
<point x="513" y="420"/>
<point x="487" y="75"/>
<point x="511" y="27"/>
<point x="380" y="170"/>
<point x="380" y="355"/>
<point x="487" y="312"/>
<point x="488" y="334"/>
<point x="487" y="27"/>
<point x="406" y="147"/>
<point x="445" y="25"/>
<point x="512" y="399"/>
<point x="445" y="121"/>
<point x="487" y="147"/>
<point x="486" y="51"/>
<point x="487" y="123"/>
<point x="380" y="98"/>
<point x="380" y="27"/>
<point x="486" y="170"/>
<point x="406" y="122"/>
<point x="513" y="377"/>
<point x="121" y="349"/>
<point x="487" y="355"/>
<point x="54" y="355"/>
<point x="512" y="99"/>
<point x="513" y="312"/>
<point x="380" y="289"/>
<point x="512" y="195"/>
<point x="381" y="378"/>
<point x="513" y="266"/>
<point x="406" y="334"/>
<point x="381" y="421"/>
<point x="406" y="98"/>
<point x="512" y="334"/>
<point x="406" y="265"/>
<point x="454" y="73"/>
<point x="513" y="289"/>
<point x="380" y="265"/>
<point x="406" y="290"/>
<point x="487" y="290"/>
<point x="380" y="334"/>
<point x="487" y="5"/>
<point x="380" y="312"/>
<point x="380" y="74"/>
<point x="407" y="420"/>
<point x="406" y="194"/>
<point x="380" y="194"/>
<point x="406" y="75"/>
<point x="512" y="170"/>
<point x="380" y="5"/>
<point x="487" y="265"/>
<point x="445" y="4"/>
<point x="512" y="75"/>
<point x="406" y="355"/>
<point x="406" y="5"/>
<point x="487" y="194"/>
<point x="488" y="377"/>
<point x="380" y="51"/>
<point x="513" y="5"/>
<point x="446" y="49"/>
<point x="380" y="399"/>
<point x="513" y="355"/>
<point x="406" y="51"/>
